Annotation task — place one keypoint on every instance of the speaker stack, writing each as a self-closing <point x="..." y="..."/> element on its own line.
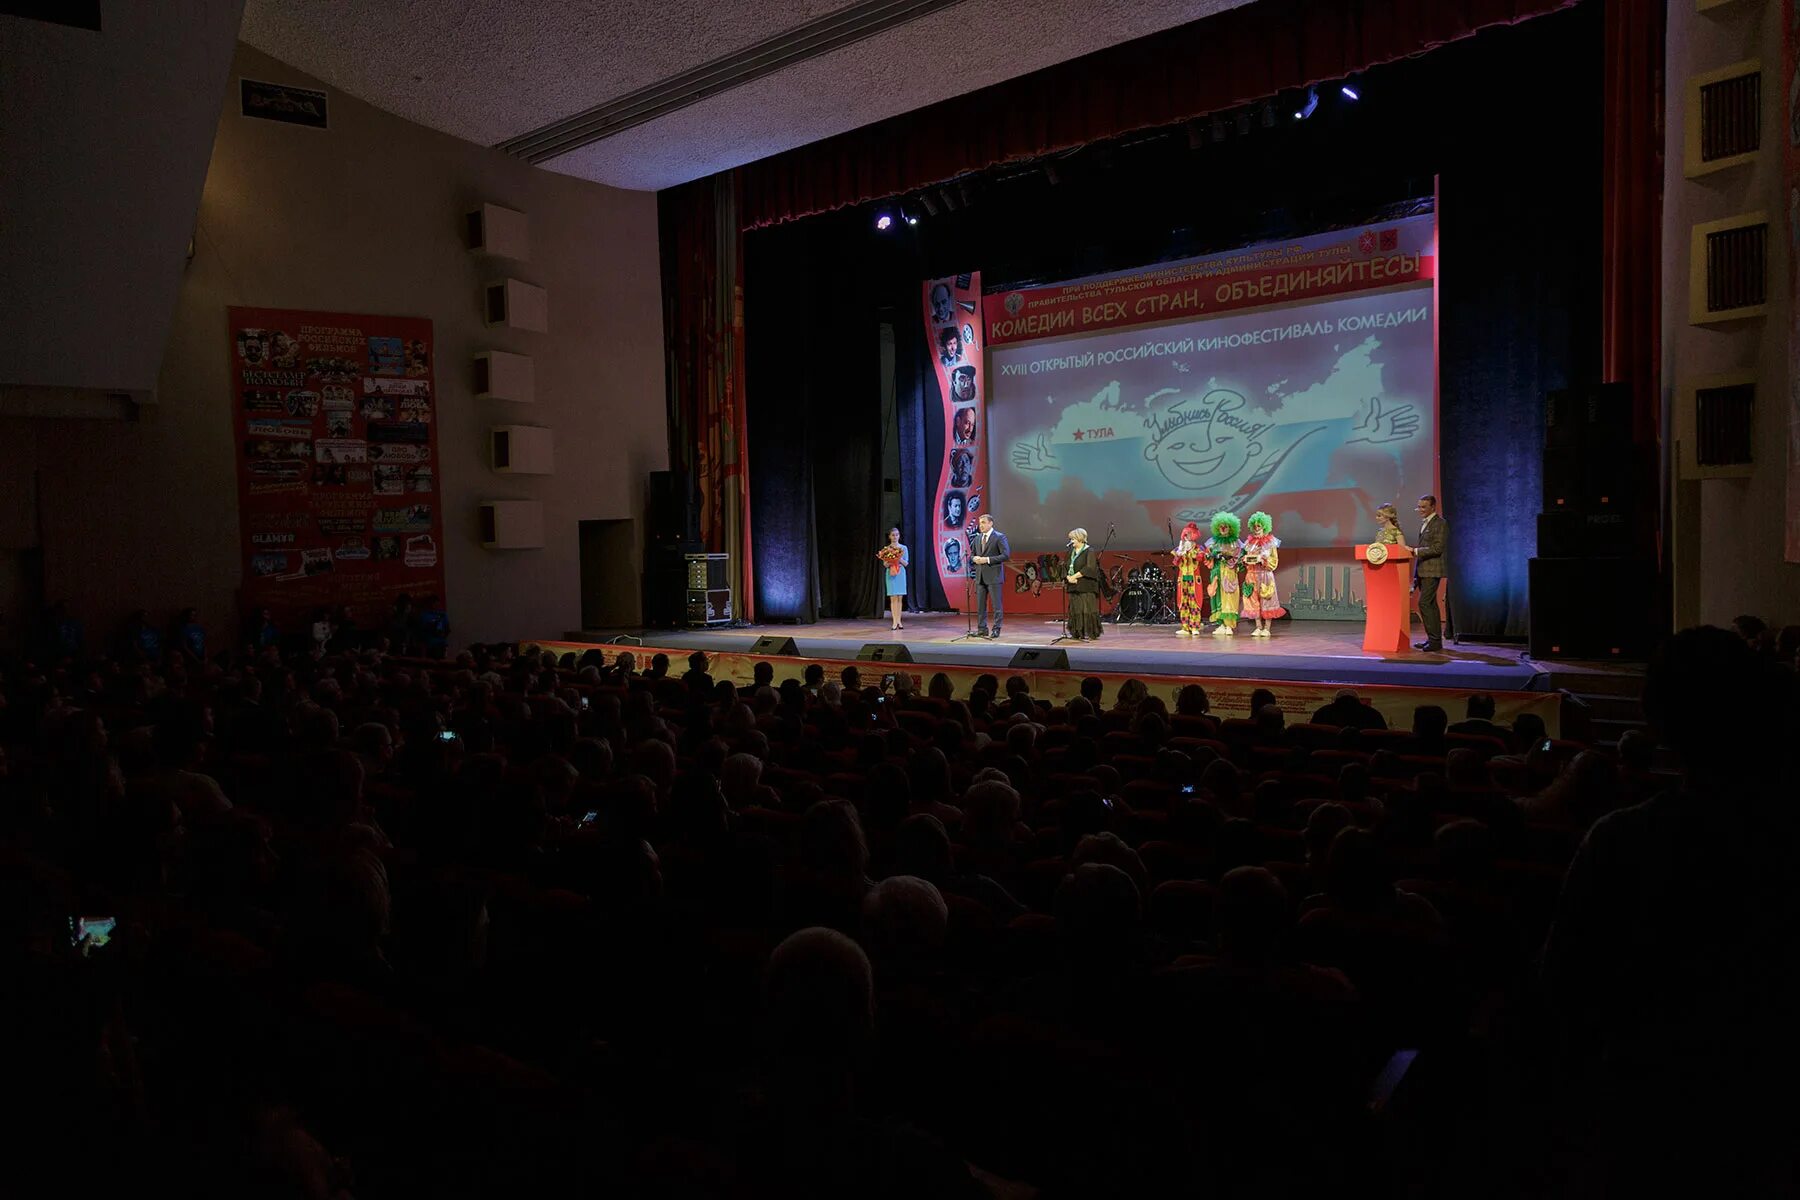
<point x="1593" y="582"/>
<point x="672" y="535"/>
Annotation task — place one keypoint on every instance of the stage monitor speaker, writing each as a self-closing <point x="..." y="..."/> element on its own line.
<point x="1054" y="659"/>
<point x="1596" y="608"/>
<point x="772" y="644"/>
<point x="877" y="652"/>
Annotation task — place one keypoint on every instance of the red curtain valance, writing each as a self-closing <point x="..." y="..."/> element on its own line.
<point x="1235" y="57"/>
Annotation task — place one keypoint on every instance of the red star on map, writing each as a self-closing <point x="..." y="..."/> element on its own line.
<point x="1078" y="435"/>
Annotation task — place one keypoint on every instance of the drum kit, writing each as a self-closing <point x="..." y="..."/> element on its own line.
<point x="1144" y="594"/>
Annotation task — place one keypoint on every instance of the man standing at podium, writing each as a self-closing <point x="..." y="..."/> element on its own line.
<point x="989" y="551"/>
<point x="1428" y="572"/>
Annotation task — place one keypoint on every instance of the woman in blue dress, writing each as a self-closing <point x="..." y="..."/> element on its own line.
<point x="894" y="557"/>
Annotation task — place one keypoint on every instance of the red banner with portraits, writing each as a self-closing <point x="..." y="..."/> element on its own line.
<point x="954" y="338"/>
<point x="334" y="417"/>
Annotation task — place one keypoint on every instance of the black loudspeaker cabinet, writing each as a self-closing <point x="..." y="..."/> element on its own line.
<point x="1593" y="608"/>
<point x="1589" y="480"/>
<point x="665" y="583"/>
<point x="670" y="517"/>
<point x="877" y="652"/>
<point x="772" y="644"/>
<point x="1053" y="659"/>
<point x="1596" y="418"/>
<point x="1575" y="533"/>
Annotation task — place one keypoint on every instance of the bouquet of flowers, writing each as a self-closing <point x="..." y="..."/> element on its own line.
<point x="892" y="556"/>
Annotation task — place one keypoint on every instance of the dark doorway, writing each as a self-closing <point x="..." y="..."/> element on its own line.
<point x="611" y="568"/>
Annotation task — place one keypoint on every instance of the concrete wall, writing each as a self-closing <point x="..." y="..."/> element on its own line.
<point x="1727" y="535"/>
<point x="103" y="143"/>
<point x="366" y="218"/>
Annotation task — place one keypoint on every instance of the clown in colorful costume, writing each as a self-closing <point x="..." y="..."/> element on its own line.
<point x="1261" y="557"/>
<point x="1223" y="556"/>
<point x="1187" y="581"/>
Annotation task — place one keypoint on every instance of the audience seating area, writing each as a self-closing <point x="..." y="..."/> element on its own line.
<point x="507" y="925"/>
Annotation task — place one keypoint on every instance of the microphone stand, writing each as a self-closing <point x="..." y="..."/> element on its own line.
<point x="968" y="603"/>
<point x="1065" y="635"/>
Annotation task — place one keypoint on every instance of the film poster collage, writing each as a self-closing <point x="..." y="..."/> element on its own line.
<point x="952" y="309"/>
<point x="952" y="313"/>
<point x="337" y="468"/>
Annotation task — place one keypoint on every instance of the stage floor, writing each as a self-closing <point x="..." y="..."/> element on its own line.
<point x="1301" y="651"/>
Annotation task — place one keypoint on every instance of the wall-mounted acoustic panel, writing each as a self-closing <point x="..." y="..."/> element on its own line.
<point x="500" y="375"/>
<point x="516" y="305"/>
<point x="503" y="232"/>
<point x="1715" y="424"/>
<point x="1722" y="120"/>
<point x="1728" y="269"/>
<point x="512" y="524"/>
<point x="521" y="450"/>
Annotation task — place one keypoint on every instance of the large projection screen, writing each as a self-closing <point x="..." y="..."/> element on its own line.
<point x="1315" y="410"/>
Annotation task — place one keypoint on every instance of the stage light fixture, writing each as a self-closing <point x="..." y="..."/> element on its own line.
<point x="1218" y="128"/>
<point x="912" y="220"/>
<point x="1349" y="92"/>
<point x="884" y="220"/>
<point x="1243" y="123"/>
<point x="1268" y="114"/>
<point x="1309" y="107"/>
<point x="931" y="208"/>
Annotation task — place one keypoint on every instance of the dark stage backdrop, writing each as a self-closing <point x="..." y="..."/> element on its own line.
<point x="814" y="399"/>
<point x="1511" y="122"/>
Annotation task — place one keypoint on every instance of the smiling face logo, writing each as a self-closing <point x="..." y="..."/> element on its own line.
<point x="1200" y="445"/>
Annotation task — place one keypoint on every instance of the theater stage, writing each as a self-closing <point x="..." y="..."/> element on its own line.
<point x="1317" y="652"/>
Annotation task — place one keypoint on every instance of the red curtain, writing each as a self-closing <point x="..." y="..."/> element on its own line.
<point x="1230" y="59"/>
<point x="703" y="332"/>
<point x="1631" y="236"/>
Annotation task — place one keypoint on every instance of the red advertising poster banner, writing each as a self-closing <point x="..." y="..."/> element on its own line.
<point x="1356" y="260"/>
<point x="336" y="433"/>
<point x="954" y="339"/>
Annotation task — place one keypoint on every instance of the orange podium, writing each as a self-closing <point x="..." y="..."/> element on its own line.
<point x="1387" y="596"/>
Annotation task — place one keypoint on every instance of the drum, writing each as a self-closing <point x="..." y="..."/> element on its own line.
<point x="1136" y="603"/>
<point x="1153" y="573"/>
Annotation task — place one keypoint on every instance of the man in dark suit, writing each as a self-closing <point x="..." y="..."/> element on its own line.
<point x="1428" y="571"/>
<point x="989" y="552"/>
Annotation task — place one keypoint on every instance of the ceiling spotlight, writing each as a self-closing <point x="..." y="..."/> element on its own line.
<point x="1218" y="128"/>
<point x="884" y="220"/>
<point x="1312" y="102"/>
<point x="912" y="220"/>
<point x="931" y="208"/>
<point x="1243" y="123"/>
<point x="1349" y="93"/>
